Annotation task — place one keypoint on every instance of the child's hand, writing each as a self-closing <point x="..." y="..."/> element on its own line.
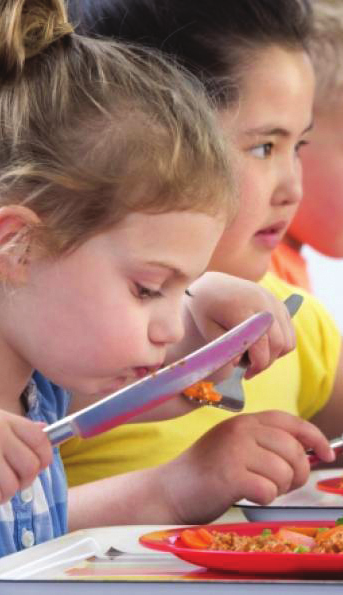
<point x="24" y="452"/>
<point x="257" y="456"/>
<point x="220" y="302"/>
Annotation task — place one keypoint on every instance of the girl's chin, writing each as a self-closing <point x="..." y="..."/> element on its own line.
<point x="116" y="385"/>
<point x="256" y="273"/>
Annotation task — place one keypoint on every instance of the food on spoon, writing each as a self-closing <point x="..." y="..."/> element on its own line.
<point x="203" y="391"/>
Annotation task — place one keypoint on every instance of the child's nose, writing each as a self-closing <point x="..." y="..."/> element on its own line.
<point x="290" y="188"/>
<point x="167" y="329"/>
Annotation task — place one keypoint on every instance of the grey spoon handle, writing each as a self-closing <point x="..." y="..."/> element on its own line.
<point x="336" y="444"/>
<point x="292" y="303"/>
<point x="232" y="392"/>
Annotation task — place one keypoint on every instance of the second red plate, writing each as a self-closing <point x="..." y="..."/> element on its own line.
<point x="333" y="485"/>
<point x="248" y="562"/>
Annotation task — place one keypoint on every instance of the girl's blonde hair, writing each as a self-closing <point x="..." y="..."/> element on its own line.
<point x="326" y="49"/>
<point x="92" y="130"/>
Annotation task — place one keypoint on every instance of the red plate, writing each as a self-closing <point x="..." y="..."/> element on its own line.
<point x="248" y="562"/>
<point x="333" y="485"/>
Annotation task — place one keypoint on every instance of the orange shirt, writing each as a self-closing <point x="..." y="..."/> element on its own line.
<point x="290" y="266"/>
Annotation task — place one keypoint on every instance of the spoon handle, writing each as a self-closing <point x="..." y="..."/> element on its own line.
<point x="292" y="303"/>
<point x="336" y="444"/>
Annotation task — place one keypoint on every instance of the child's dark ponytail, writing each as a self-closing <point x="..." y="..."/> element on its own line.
<point x="214" y="39"/>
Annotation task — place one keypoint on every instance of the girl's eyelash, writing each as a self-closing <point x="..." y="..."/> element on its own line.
<point x="266" y="148"/>
<point x="146" y="293"/>
<point x="300" y="144"/>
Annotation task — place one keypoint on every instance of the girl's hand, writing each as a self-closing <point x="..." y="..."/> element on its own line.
<point x="257" y="456"/>
<point x="220" y="302"/>
<point x="24" y="452"/>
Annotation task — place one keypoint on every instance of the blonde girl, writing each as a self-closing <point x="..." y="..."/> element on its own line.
<point x="112" y="173"/>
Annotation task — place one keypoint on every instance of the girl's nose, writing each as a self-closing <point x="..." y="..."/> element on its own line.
<point x="290" y="188"/>
<point x="167" y="328"/>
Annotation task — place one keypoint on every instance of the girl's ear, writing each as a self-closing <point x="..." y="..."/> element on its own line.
<point x="16" y="224"/>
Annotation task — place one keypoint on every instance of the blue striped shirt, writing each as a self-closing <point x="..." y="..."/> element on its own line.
<point x="39" y="512"/>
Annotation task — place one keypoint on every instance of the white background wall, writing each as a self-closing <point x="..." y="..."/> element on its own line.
<point x="327" y="282"/>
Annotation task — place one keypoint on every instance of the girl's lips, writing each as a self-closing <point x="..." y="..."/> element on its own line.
<point x="134" y="375"/>
<point x="142" y="371"/>
<point x="269" y="237"/>
<point x="116" y="385"/>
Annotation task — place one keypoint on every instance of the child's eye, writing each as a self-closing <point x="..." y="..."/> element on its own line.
<point x="262" y="151"/>
<point x="144" y="293"/>
<point x="300" y="144"/>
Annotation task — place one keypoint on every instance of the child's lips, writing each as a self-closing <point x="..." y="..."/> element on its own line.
<point x="270" y="236"/>
<point x="132" y="376"/>
<point x="114" y="386"/>
<point x="142" y="371"/>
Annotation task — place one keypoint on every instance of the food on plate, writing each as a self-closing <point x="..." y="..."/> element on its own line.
<point x="203" y="391"/>
<point x="198" y="538"/>
<point x="299" y="540"/>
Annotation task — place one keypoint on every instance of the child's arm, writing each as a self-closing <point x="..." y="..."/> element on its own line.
<point x="219" y="303"/>
<point x="256" y="456"/>
<point x="24" y="452"/>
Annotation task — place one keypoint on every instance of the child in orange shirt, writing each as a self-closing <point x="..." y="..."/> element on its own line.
<point x="319" y="219"/>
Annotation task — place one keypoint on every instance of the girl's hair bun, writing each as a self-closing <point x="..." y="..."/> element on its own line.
<point x="27" y="28"/>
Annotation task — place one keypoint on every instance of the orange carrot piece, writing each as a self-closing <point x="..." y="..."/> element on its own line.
<point x="309" y="531"/>
<point x="205" y="535"/>
<point x="190" y="538"/>
<point x="324" y="535"/>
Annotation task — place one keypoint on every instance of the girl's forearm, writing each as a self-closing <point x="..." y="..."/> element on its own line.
<point x="130" y="499"/>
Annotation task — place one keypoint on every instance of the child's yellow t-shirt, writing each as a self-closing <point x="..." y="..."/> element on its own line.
<point x="300" y="383"/>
